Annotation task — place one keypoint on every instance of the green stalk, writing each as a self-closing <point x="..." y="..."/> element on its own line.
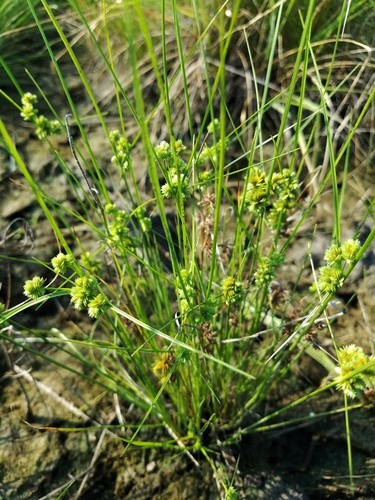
<point x="302" y="48"/>
<point x="219" y="178"/>
<point x="182" y="64"/>
<point x="348" y="442"/>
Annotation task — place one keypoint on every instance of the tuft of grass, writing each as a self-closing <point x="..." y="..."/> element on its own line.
<point x="188" y="320"/>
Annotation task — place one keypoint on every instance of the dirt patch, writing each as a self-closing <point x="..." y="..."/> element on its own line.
<point x="41" y="458"/>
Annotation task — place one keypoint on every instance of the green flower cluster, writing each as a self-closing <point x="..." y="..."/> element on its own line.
<point x="29" y="111"/>
<point x="34" y="288"/>
<point x="185" y="291"/>
<point x="85" y="289"/>
<point x="44" y="127"/>
<point x="144" y="221"/>
<point x="120" y="145"/>
<point x="163" y="365"/>
<point x="118" y="228"/>
<point x="175" y="169"/>
<point x="86" y="293"/>
<point x="267" y="267"/>
<point x="232" y="290"/>
<point x="352" y="358"/>
<point x="275" y="196"/>
<point x="97" y="305"/>
<point x="332" y="276"/>
<point x="62" y="262"/>
<point x="347" y="252"/>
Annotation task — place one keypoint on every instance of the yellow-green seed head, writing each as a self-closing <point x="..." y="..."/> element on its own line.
<point x="34" y="288"/>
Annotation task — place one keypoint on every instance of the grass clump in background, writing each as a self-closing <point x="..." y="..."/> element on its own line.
<point x="222" y="149"/>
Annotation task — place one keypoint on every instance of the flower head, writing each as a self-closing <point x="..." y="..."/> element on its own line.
<point x="350" y="249"/>
<point x="84" y="290"/>
<point x="352" y="358"/>
<point x="163" y="150"/>
<point x="97" y="305"/>
<point x="34" y="288"/>
<point x="121" y="148"/>
<point x="44" y="127"/>
<point x="267" y="267"/>
<point x="62" y="262"/>
<point x="333" y="254"/>
<point x="330" y="279"/>
<point x="332" y="275"/>
<point x="28" y="110"/>
<point x="163" y="365"/>
<point x="232" y="290"/>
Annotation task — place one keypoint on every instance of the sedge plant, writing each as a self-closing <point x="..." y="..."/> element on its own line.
<point x="188" y="320"/>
